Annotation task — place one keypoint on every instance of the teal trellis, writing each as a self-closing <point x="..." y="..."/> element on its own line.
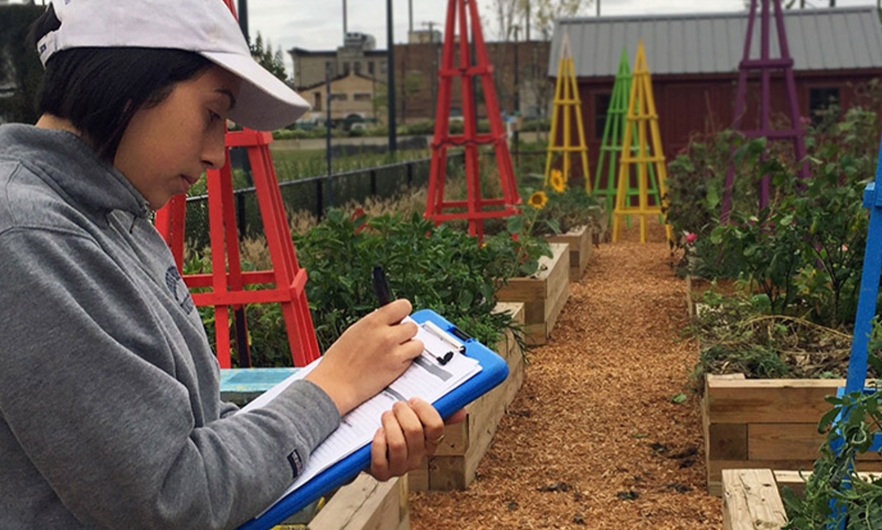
<point x="613" y="133"/>
<point x="866" y="310"/>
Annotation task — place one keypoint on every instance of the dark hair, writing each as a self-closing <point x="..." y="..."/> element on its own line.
<point x="99" y="89"/>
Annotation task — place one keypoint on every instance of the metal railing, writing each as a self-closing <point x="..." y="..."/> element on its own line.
<point x="316" y="194"/>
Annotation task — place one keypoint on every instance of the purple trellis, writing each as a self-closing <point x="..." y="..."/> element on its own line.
<point x="766" y="65"/>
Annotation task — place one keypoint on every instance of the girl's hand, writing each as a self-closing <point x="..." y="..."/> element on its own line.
<point x="411" y="432"/>
<point x="369" y="355"/>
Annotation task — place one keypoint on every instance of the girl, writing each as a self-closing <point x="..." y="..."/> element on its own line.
<point x="110" y="415"/>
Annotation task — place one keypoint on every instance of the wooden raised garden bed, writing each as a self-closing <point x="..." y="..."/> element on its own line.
<point x="752" y="497"/>
<point x="543" y="294"/>
<point x="766" y="424"/>
<point x="580" y="241"/>
<point x="454" y="465"/>
<point x="366" y="504"/>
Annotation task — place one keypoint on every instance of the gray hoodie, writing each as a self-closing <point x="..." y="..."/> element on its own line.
<point x="110" y="415"/>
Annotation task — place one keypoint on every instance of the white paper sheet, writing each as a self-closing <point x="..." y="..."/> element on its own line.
<point x="426" y="378"/>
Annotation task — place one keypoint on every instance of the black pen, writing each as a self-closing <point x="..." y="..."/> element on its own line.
<point x="381" y="285"/>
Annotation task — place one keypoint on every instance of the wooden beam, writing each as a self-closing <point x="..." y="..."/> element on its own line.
<point x="751" y="500"/>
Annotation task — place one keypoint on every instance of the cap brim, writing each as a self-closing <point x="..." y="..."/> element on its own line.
<point x="265" y="103"/>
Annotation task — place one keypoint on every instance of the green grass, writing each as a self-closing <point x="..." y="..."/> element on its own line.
<point x="297" y="164"/>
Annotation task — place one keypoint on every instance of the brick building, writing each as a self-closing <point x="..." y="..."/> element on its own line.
<point x="352" y="97"/>
<point x="694" y="62"/>
<point x="416" y="79"/>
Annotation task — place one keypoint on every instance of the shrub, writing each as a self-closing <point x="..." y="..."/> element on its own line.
<point x="434" y="267"/>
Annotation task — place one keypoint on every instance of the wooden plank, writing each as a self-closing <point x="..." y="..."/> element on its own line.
<point x="418" y="479"/>
<point x="784" y="441"/>
<point x="562" y="299"/>
<point x="447" y="473"/>
<point x="558" y="284"/>
<point x="727" y="441"/>
<point x="534" y="312"/>
<point x="536" y="286"/>
<point x="580" y="240"/>
<point x="716" y="468"/>
<point x="365" y="504"/>
<point x="769" y="400"/>
<point x="796" y="480"/>
<point x="751" y="500"/>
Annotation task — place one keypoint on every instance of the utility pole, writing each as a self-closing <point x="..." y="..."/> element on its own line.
<point x="409" y="18"/>
<point x="598" y="7"/>
<point x="436" y="60"/>
<point x="390" y="76"/>
<point x="517" y="101"/>
<point x="243" y="19"/>
<point x="527" y="33"/>
<point x="328" y="125"/>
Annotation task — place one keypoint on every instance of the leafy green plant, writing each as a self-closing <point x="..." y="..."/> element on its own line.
<point x="836" y="496"/>
<point x="565" y="209"/>
<point x="738" y="335"/>
<point x="696" y="177"/>
<point x="439" y="268"/>
<point x="434" y="267"/>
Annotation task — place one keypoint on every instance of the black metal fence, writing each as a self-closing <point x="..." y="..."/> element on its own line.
<point x="317" y="194"/>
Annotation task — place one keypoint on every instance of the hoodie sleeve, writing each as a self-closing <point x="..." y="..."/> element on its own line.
<point x="87" y="388"/>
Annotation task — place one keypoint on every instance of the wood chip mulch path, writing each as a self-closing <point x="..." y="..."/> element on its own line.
<point x="593" y="439"/>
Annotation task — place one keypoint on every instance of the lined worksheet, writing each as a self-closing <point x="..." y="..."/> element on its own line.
<point x="437" y="371"/>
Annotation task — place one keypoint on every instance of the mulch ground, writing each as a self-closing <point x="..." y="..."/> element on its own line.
<point x="594" y="439"/>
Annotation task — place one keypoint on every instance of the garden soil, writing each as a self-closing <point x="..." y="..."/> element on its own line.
<point x="597" y="437"/>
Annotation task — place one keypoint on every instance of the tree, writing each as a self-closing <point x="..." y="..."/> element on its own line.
<point x="272" y="61"/>
<point x="544" y="12"/>
<point x="20" y="65"/>
<point x="507" y="14"/>
<point x="537" y="14"/>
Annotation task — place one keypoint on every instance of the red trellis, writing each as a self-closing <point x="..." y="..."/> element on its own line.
<point x="766" y="65"/>
<point x="225" y="287"/>
<point x="475" y="208"/>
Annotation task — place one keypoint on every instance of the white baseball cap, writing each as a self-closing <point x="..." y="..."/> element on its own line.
<point x="206" y="27"/>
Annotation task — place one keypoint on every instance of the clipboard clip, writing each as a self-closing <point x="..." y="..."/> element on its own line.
<point x="432" y="328"/>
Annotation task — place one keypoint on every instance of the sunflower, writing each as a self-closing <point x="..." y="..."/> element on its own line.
<point x="538" y="200"/>
<point x="557" y="181"/>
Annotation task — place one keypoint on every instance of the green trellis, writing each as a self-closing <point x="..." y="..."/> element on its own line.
<point x="611" y="146"/>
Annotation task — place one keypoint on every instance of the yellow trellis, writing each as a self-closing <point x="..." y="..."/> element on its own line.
<point x="566" y="104"/>
<point x="641" y="112"/>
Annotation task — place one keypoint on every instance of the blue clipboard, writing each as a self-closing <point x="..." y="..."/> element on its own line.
<point x="494" y="370"/>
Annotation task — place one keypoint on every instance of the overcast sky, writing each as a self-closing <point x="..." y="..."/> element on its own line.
<point x="301" y="23"/>
<point x="318" y="24"/>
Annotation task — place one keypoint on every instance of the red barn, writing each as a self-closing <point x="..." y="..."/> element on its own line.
<point x="694" y="62"/>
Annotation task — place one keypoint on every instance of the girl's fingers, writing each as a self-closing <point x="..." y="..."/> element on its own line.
<point x="432" y="424"/>
<point x="379" y="460"/>
<point x="394" y="312"/>
<point x="396" y="443"/>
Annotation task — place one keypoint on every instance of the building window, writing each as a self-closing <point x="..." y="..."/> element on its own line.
<point x="382" y="67"/>
<point x="345" y="68"/>
<point x="317" y="100"/>
<point x="370" y="67"/>
<point x="820" y="99"/>
<point x="361" y="96"/>
<point x="340" y="97"/>
<point x="601" y="106"/>
<point x="357" y="65"/>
